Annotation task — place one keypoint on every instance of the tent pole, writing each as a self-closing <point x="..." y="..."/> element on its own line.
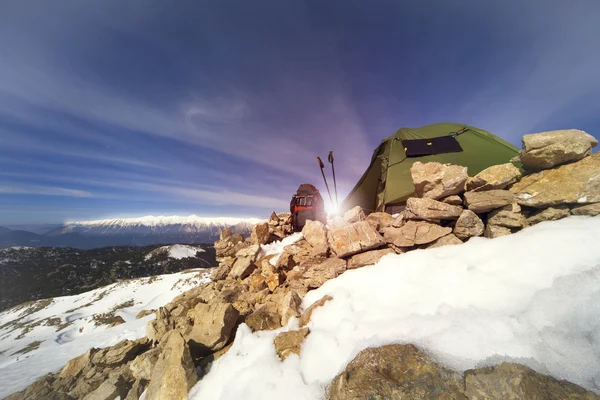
<point x="322" y="166"/>
<point x="337" y="203"/>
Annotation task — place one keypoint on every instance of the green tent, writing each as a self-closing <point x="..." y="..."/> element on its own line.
<point x="387" y="182"/>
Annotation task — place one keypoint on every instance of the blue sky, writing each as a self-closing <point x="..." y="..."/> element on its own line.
<point x="129" y="108"/>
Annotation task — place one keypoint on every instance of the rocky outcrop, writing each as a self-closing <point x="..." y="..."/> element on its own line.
<point x="435" y="180"/>
<point x="379" y="220"/>
<point x="418" y="232"/>
<point x="396" y="372"/>
<point x="518" y="382"/>
<point x="430" y="210"/>
<point x="260" y="233"/>
<point x="213" y="326"/>
<point x="355" y="214"/>
<point x="579" y="184"/>
<point x="315" y="234"/>
<point x="368" y="258"/>
<point x="350" y="239"/>
<point x="548" y="149"/>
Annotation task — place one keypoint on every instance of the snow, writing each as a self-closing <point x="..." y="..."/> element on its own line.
<point x="17" y="371"/>
<point x="278" y="246"/>
<point x="176" y="251"/>
<point x="151" y="220"/>
<point x="530" y="298"/>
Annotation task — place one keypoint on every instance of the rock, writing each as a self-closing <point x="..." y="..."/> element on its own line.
<point x="256" y="282"/>
<point x="314" y="233"/>
<point x="141" y="367"/>
<point x="494" y="231"/>
<point x="158" y="327"/>
<point x="576" y="183"/>
<point x="110" y="389"/>
<point x="274" y="279"/>
<point x="265" y="318"/>
<point x="75" y="366"/>
<point x="509" y="216"/>
<point x="518" y="382"/>
<point x="418" y="232"/>
<point x="242" y="268"/>
<point x="396" y="372"/>
<point x="274" y="218"/>
<point x="317" y="274"/>
<point x="213" y="326"/>
<point x="482" y="202"/>
<point x="229" y="245"/>
<point x="453" y="200"/>
<point x="250" y="252"/>
<point x="307" y="314"/>
<point x="368" y="258"/>
<point x="430" y="210"/>
<point x="137" y="389"/>
<point x="120" y="353"/>
<point x="41" y="389"/>
<point x="356" y="214"/>
<point x="468" y="225"/>
<point x="174" y="373"/>
<point x="144" y="313"/>
<point x="290" y="306"/>
<point x="494" y="177"/>
<point x="549" y="214"/>
<point x="548" y="149"/>
<point x="290" y="342"/>
<point x="435" y="180"/>
<point x="589" y="209"/>
<point x="354" y="238"/>
<point x="379" y="220"/>
<point x="447" y="240"/>
<point x="260" y="233"/>
<point x="223" y="269"/>
<point x="225" y="233"/>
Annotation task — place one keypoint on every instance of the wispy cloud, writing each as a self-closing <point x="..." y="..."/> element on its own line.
<point x="11" y="188"/>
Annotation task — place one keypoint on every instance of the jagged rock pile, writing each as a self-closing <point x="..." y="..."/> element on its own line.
<point x="265" y="290"/>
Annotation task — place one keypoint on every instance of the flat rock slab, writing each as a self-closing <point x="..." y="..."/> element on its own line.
<point x="575" y="183"/>
<point x="482" y="202"/>
<point x="430" y="210"/>
<point x="419" y="232"/>
<point x="548" y="149"/>
<point x="589" y="209"/>
<point x="549" y="214"/>
<point x="350" y="239"/>
<point x="494" y="177"/>
<point x="368" y="258"/>
<point x="287" y="343"/>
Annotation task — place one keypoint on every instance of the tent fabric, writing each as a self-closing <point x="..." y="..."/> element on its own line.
<point x="387" y="182"/>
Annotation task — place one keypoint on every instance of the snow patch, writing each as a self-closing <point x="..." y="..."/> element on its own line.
<point x="176" y="251"/>
<point x="531" y="297"/>
<point x="278" y="246"/>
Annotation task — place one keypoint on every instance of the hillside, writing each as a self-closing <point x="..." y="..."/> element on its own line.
<point x="32" y="273"/>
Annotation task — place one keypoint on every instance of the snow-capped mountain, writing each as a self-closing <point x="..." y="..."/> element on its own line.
<point x="132" y="231"/>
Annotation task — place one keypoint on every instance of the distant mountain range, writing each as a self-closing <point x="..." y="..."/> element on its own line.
<point x="141" y="231"/>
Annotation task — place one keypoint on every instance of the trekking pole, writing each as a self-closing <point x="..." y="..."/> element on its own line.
<point x="334" y="181"/>
<point x="322" y="166"/>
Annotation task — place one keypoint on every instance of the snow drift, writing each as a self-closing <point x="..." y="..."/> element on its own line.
<point x="530" y="298"/>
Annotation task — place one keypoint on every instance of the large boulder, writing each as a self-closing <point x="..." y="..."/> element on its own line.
<point x="315" y="234"/>
<point x="174" y="373"/>
<point x="317" y="274"/>
<point x="548" y="149"/>
<point x="120" y="353"/>
<point x="518" y="382"/>
<point x="159" y="326"/>
<point x="75" y="366"/>
<point x="494" y="177"/>
<point x="396" y="372"/>
<point x="350" y="239"/>
<point x="265" y="318"/>
<point x="242" y="268"/>
<point x="430" y="210"/>
<point x="229" y="245"/>
<point x="589" y="209"/>
<point x="468" y="225"/>
<point x="435" y="180"/>
<point x="416" y="233"/>
<point x="549" y="214"/>
<point x="113" y="387"/>
<point x="214" y="326"/>
<point x="260" y="233"/>
<point x="575" y="183"/>
<point x="287" y="343"/>
<point x="368" y="258"/>
<point x="143" y="365"/>
<point x="482" y="202"/>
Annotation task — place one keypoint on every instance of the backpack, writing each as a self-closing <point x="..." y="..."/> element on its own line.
<point x="307" y="204"/>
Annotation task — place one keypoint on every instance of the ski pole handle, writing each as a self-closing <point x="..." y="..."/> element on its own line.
<point x="331" y="157"/>
<point x="320" y="163"/>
